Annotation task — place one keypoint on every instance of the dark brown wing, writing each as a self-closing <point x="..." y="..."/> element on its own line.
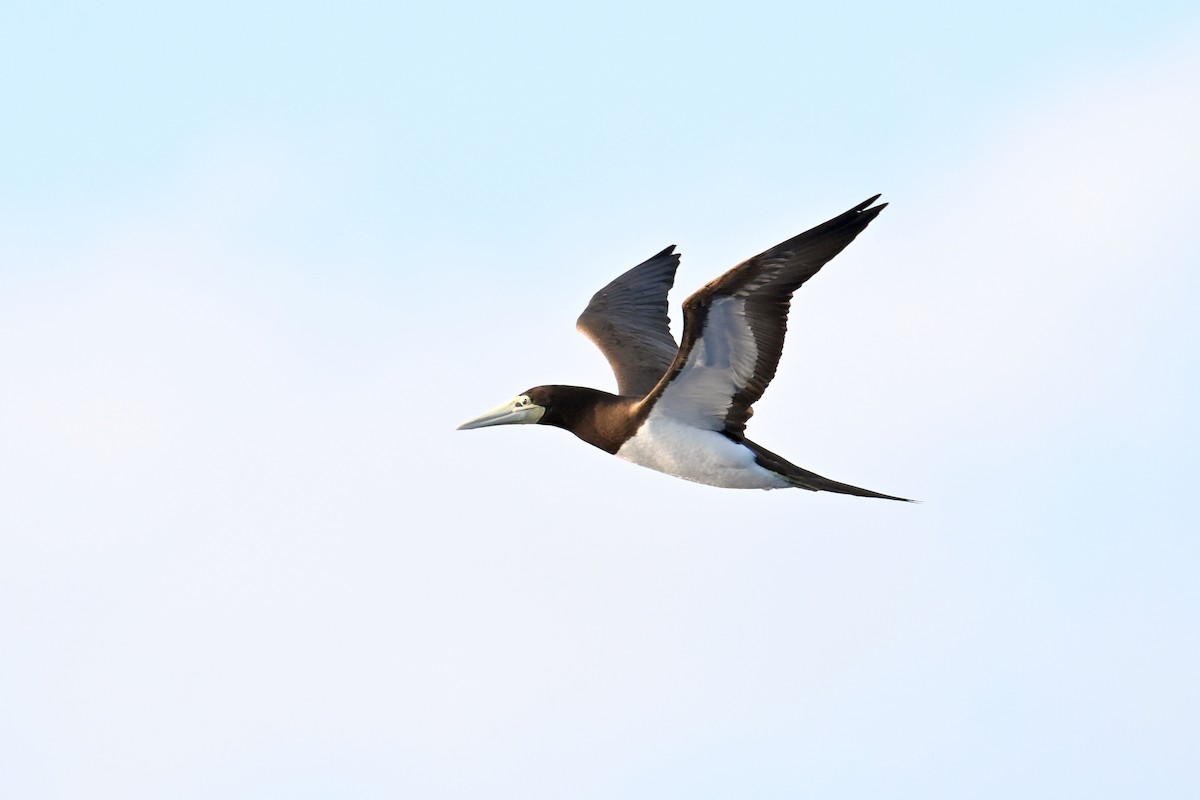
<point x="733" y="328"/>
<point x="627" y="320"/>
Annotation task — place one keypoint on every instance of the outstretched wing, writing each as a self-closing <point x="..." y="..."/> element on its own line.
<point x="733" y="328"/>
<point x="627" y="320"/>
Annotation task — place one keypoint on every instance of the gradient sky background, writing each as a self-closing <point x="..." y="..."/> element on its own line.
<point x="256" y="263"/>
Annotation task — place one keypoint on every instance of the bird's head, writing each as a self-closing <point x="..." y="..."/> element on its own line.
<point x="567" y="407"/>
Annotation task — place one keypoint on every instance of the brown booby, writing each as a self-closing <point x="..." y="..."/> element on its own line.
<point x="682" y="409"/>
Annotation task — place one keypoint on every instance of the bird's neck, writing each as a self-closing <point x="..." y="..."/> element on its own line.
<point x="601" y="419"/>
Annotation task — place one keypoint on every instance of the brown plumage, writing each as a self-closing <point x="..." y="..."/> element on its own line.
<point x="682" y="409"/>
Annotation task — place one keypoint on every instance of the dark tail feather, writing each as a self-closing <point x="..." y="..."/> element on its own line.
<point x="815" y="483"/>
<point x="803" y="479"/>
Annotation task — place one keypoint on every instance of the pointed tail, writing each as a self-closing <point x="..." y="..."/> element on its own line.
<point x="803" y="479"/>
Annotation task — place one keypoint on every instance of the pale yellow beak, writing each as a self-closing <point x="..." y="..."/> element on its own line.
<point x="518" y="411"/>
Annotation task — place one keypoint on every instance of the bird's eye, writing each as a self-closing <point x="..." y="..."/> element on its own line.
<point x="523" y="401"/>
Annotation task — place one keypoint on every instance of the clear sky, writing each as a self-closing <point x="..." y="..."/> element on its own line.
<point x="256" y="263"/>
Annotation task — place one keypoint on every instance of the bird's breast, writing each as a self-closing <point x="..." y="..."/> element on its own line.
<point x="696" y="454"/>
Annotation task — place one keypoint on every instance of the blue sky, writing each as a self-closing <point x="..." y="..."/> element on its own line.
<point x="257" y="263"/>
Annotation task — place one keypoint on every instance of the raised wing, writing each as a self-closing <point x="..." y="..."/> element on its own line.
<point x="627" y="320"/>
<point x="733" y="328"/>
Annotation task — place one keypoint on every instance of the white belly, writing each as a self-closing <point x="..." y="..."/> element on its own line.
<point x="697" y="455"/>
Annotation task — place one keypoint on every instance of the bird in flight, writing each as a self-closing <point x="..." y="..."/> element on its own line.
<point x="682" y="408"/>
